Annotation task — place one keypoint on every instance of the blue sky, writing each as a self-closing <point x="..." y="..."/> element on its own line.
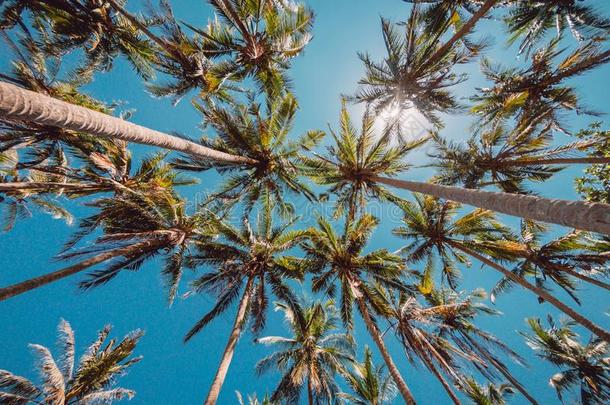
<point x="172" y="372"/>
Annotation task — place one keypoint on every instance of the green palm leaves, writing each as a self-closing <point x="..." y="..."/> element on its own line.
<point x="584" y="368"/>
<point x="311" y="356"/>
<point x="414" y="74"/>
<point x="262" y="134"/>
<point x="351" y="163"/>
<point x="91" y="380"/>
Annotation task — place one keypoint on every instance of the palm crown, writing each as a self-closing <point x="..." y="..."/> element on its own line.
<point x="91" y="380"/>
<point x="413" y="75"/>
<point x="311" y="356"/>
<point x="584" y="367"/>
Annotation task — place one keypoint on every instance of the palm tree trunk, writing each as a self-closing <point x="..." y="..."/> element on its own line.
<point x="597" y="330"/>
<point x="227" y="356"/>
<point x="502" y="369"/>
<point x="558" y="161"/>
<point x="25" y="105"/>
<point x="47" y="186"/>
<point x="374" y="332"/>
<point x="31" y="284"/>
<point x="594" y="217"/>
<point x="309" y="391"/>
<point x="465" y="30"/>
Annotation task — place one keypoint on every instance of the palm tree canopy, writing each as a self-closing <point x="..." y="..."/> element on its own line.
<point x="584" y="367"/>
<point x="536" y="94"/>
<point x="430" y="223"/>
<point x="368" y="383"/>
<point x="242" y="255"/>
<point x="595" y="184"/>
<point x="412" y="75"/>
<point x="262" y="135"/>
<point x="354" y="159"/>
<point x="312" y="355"/>
<point x="555" y="261"/>
<point x="91" y="380"/>
<point x="331" y="257"/>
<point x="530" y="20"/>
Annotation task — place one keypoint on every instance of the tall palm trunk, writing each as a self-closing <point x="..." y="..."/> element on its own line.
<point x="227" y="355"/>
<point x="557" y="161"/>
<point x="374" y="332"/>
<point x="501" y="368"/>
<point x="463" y="31"/>
<point x="48" y="186"/>
<point x="25" y="105"/>
<point x="31" y="284"/>
<point x="597" y="330"/>
<point x="594" y="217"/>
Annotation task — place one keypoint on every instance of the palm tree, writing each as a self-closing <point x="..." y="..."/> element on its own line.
<point x="90" y="25"/>
<point x="369" y="384"/>
<point x="260" y="137"/>
<point x="331" y="257"/>
<point x="576" y="214"/>
<point x="17" y="104"/>
<point x="136" y="229"/>
<point x="488" y="395"/>
<point x="537" y="94"/>
<point x="531" y="20"/>
<point x="92" y="380"/>
<point x="505" y="158"/>
<point x="353" y="158"/>
<point x="311" y="356"/>
<point x="416" y="72"/>
<point x="249" y="263"/>
<point x="584" y="367"/>
<point x="560" y="260"/>
<point x="257" y="38"/>
<point x="431" y="227"/>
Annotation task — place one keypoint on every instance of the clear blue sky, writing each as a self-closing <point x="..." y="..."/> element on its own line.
<point x="172" y="372"/>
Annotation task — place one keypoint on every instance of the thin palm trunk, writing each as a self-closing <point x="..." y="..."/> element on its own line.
<point x="463" y="31"/>
<point x="31" y="284"/>
<point x="594" y="217"/>
<point x="597" y="330"/>
<point x="227" y="355"/>
<point x="25" y="105"/>
<point x="374" y="332"/>
<point x="558" y="161"/>
<point x="502" y="369"/>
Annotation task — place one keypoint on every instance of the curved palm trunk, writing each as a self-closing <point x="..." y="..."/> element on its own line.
<point x="25" y="105"/>
<point x="558" y="161"/>
<point x="597" y="330"/>
<point x="594" y="217"/>
<point x="502" y="369"/>
<point x="465" y="30"/>
<point x="374" y="332"/>
<point x="227" y="355"/>
<point x="31" y="284"/>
